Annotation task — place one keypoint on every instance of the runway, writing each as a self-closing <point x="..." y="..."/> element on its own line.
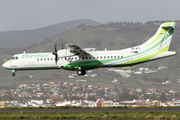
<point x="92" y="110"/>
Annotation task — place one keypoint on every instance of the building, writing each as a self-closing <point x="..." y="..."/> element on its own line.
<point x="175" y="102"/>
<point x="2" y="104"/>
<point x="51" y="83"/>
<point x="156" y="103"/>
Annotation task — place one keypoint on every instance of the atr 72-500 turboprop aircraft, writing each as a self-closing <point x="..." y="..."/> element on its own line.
<point x="80" y="60"/>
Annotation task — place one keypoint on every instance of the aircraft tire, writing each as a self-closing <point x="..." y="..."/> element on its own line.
<point x="13" y="74"/>
<point x="81" y="72"/>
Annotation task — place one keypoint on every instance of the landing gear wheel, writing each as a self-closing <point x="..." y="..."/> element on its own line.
<point x="13" y="74"/>
<point x="81" y="72"/>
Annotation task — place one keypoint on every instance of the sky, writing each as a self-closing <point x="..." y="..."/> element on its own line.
<point x="33" y="14"/>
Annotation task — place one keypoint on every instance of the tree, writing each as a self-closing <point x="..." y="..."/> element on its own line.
<point x="91" y="98"/>
<point x="65" y="96"/>
<point x="126" y="96"/>
<point x="75" y="98"/>
<point x="100" y="93"/>
<point x="163" y="97"/>
<point x="115" y="89"/>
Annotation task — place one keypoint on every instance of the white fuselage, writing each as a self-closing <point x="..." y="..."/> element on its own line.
<point x="33" y="61"/>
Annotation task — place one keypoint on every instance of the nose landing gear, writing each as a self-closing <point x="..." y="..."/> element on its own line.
<point x="13" y="72"/>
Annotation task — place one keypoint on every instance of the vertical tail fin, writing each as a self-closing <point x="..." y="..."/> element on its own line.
<point x="162" y="39"/>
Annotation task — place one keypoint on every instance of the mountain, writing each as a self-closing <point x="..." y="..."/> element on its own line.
<point x="25" y="38"/>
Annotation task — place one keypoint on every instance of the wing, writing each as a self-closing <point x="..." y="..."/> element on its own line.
<point x="76" y="50"/>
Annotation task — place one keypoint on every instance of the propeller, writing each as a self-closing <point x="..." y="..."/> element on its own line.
<point x="55" y="53"/>
<point x="62" y="46"/>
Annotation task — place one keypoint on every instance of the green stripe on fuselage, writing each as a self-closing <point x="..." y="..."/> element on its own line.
<point x="87" y="65"/>
<point x="148" y="57"/>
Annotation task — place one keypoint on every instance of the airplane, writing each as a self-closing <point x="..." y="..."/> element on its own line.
<point x="76" y="59"/>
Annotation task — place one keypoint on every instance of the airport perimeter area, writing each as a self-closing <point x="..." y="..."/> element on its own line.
<point x="90" y="113"/>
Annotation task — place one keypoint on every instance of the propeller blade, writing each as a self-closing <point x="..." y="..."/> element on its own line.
<point x="55" y="47"/>
<point x="55" y="53"/>
<point x="56" y="58"/>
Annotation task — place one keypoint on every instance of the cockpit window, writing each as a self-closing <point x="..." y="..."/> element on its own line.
<point x="14" y="58"/>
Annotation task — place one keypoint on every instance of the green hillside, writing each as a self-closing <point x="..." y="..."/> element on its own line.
<point x="111" y="36"/>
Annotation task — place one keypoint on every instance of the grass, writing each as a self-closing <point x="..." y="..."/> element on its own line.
<point x="75" y="107"/>
<point x="91" y="115"/>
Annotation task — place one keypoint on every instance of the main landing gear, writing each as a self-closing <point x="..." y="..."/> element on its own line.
<point x="81" y="72"/>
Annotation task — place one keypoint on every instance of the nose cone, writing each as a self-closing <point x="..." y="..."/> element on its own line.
<point x="4" y="65"/>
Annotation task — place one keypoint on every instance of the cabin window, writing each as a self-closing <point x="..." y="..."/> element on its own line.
<point x="118" y="56"/>
<point x="72" y="58"/>
<point x="108" y="57"/>
<point x="101" y="57"/>
<point x="83" y="58"/>
<point x="38" y="59"/>
<point x="89" y="57"/>
<point x="121" y="56"/>
<point x="86" y="57"/>
<point x="16" y="58"/>
<point x="93" y="57"/>
<point x="41" y="59"/>
<point x="114" y="56"/>
<point x="104" y="57"/>
<point x="65" y="58"/>
<point x="97" y="57"/>
<point x="75" y="58"/>
<point x="44" y="59"/>
<point x="111" y="56"/>
<point x="47" y="59"/>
